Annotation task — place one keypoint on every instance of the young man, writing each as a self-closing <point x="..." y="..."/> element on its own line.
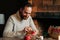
<point x="17" y="23"/>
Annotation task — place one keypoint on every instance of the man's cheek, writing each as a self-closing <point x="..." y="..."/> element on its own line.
<point x="25" y="15"/>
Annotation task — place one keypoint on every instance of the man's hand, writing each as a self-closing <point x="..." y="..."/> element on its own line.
<point x="28" y="29"/>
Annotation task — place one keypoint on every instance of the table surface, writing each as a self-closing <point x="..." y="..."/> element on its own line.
<point x="20" y="39"/>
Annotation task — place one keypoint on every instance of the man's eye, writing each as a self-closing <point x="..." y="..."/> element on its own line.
<point x="26" y="12"/>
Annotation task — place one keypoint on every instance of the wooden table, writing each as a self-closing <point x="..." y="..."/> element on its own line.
<point x="10" y="39"/>
<point x="20" y="39"/>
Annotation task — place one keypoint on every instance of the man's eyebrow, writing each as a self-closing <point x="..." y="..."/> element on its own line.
<point x="27" y="12"/>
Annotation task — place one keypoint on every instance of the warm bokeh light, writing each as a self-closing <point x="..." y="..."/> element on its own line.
<point x="59" y="37"/>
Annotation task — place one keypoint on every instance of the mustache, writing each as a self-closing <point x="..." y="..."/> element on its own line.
<point x="24" y="16"/>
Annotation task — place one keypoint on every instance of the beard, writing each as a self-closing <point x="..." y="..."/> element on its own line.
<point x="23" y="16"/>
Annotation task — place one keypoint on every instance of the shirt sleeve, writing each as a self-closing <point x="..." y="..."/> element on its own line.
<point x="33" y="25"/>
<point x="8" y="28"/>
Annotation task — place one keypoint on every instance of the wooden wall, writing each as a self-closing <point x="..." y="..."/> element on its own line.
<point x="45" y="5"/>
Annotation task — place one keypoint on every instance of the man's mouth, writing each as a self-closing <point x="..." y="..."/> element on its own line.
<point x="25" y="17"/>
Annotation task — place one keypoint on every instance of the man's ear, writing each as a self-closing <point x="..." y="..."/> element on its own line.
<point x="21" y="9"/>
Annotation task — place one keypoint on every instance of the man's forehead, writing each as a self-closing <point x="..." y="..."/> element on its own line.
<point x="28" y="9"/>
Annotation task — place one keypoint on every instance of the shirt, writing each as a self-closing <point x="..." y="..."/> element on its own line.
<point x="15" y="24"/>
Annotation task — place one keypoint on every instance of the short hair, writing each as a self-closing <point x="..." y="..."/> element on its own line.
<point x="27" y="4"/>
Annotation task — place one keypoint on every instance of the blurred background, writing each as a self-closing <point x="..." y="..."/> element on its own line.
<point x="46" y="12"/>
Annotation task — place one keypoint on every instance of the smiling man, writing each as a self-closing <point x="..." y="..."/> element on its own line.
<point x="17" y="22"/>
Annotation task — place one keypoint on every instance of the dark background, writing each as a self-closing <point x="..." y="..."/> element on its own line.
<point x="9" y="7"/>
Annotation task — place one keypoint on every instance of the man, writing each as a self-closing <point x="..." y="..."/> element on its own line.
<point x="17" y="23"/>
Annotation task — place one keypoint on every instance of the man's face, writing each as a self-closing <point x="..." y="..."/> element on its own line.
<point x="26" y="12"/>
